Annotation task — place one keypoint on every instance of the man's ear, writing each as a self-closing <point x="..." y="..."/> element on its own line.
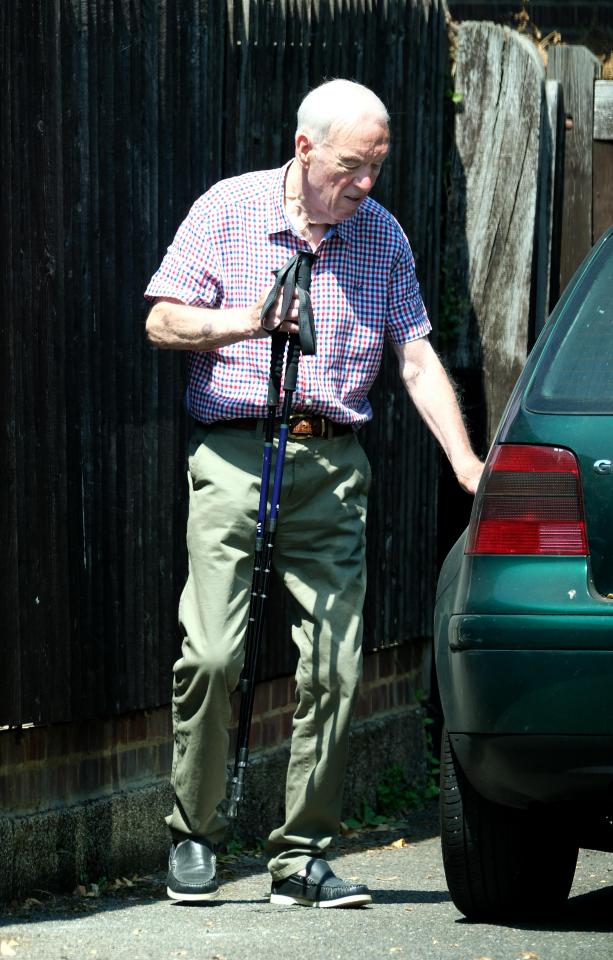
<point x="304" y="149"/>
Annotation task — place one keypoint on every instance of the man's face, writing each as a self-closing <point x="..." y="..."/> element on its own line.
<point x="342" y="171"/>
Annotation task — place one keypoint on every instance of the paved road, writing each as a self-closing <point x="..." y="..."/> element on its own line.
<point x="412" y="916"/>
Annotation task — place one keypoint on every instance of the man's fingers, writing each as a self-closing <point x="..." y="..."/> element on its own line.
<point x="273" y="317"/>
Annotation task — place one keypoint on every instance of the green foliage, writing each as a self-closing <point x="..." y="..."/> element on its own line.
<point x="395" y="796"/>
<point x="455" y="96"/>
<point x="364" y="817"/>
<point x="235" y="849"/>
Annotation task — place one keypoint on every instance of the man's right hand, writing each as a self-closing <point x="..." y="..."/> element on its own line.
<point x="273" y="320"/>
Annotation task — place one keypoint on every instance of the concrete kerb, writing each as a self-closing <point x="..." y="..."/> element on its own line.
<point x="125" y="834"/>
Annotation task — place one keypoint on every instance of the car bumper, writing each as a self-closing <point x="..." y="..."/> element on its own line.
<point x="528" y="703"/>
<point x="527" y="674"/>
<point x="519" y="771"/>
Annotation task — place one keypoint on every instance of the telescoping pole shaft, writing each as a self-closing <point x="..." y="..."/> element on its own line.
<point x="266" y="528"/>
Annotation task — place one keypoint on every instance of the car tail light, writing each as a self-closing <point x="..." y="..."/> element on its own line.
<point x="530" y="502"/>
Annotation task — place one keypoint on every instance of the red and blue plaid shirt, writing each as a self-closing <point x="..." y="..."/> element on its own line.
<point x="363" y="290"/>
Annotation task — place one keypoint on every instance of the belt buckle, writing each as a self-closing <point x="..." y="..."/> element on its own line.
<point x="314" y="421"/>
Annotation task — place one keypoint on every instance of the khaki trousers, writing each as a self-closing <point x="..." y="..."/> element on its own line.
<point x="319" y="553"/>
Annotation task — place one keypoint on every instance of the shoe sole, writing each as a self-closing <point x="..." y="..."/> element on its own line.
<point x="358" y="900"/>
<point x="175" y="895"/>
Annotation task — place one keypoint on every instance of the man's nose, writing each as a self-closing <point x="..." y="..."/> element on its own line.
<point x="365" y="179"/>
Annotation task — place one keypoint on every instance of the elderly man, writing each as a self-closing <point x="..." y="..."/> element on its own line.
<point x="209" y="292"/>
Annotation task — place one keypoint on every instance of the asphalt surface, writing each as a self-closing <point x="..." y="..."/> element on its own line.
<point x="412" y="915"/>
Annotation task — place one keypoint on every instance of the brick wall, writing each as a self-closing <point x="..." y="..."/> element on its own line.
<point x="44" y="768"/>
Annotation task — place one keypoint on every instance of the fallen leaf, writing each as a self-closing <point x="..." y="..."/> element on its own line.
<point x="529" y="955"/>
<point x="32" y="902"/>
<point x="387" y="878"/>
<point x="6" y="948"/>
<point x="400" y="843"/>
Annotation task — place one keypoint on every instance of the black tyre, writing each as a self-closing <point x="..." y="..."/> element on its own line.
<point x="500" y="863"/>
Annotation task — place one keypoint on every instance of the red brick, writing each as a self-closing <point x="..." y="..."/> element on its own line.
<point x="379" y="698"/>
<point x="387" y="663"/>
<point x="261" y="703"/>
<point x="280" y="694"/>
<point x="159" y="723"/>
<point x="33" y="746"/>
<point x="271" y="731"/>
<point x="287" y="724"/>
<point x="122" y="730"/>
<point x="236" y="706"/>
<point x="362" y="706"/>
<point x="255" y="735"/>
<point x="370" y="667"/>
<point x="137" y="729"/>
<point x="405" y="658"/>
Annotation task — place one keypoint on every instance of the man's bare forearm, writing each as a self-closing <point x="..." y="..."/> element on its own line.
<point x="434" y="396"/>
<point x="176" y="326"/>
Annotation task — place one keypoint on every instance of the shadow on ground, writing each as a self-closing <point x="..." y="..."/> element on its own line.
<point x="587" y="913"/>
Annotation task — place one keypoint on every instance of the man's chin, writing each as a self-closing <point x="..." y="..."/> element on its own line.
<point x="349" y="209"/>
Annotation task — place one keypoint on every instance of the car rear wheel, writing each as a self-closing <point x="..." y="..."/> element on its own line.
<point x="500" y="863"/>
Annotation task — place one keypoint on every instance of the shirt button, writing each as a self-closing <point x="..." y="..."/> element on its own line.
<point x="308" y="402"/>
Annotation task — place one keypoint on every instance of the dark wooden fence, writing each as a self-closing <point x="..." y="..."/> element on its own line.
<point x="116" y="114"/>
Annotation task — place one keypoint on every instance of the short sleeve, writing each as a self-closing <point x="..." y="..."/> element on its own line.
<point x="407" y="318"/>
<point x="190" y="271"/>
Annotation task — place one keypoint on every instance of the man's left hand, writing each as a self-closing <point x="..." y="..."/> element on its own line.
<point x="468" y="473"/>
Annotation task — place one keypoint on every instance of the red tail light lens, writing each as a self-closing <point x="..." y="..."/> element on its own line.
<point x="530" y="503"/>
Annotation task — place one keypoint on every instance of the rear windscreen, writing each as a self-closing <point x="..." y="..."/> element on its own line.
<point x="574" y="373"/>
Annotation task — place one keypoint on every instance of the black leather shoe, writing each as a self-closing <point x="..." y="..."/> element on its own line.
<point x="320" y="888"/>
<point x="191" y="871"/>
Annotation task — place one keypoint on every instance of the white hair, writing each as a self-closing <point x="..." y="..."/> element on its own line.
<point x="338" y="103"/>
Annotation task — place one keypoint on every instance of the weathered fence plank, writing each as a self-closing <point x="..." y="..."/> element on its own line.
<point x="545" y="288"/>
<point x="576" y="68"/>
<point x="602" y="159"/>
<point x="500" y="79"/>
<point x="603" y="110"/>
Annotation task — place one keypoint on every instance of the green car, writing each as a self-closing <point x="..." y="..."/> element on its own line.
<point x="524" y="627"/>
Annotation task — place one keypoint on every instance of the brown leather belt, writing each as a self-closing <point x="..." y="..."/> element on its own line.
<point x="300" y="425"/>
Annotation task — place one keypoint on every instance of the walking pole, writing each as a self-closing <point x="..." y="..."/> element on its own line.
<point x="295" y="275"/>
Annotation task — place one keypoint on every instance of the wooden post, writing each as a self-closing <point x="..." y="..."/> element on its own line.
<point x="488" y="262"/>
<point x="552" y="121"/>
<point x="576" y="68"/>
<point x="602" y="159"/>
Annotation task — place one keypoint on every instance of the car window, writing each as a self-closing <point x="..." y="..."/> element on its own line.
<point x="575" y="371"/>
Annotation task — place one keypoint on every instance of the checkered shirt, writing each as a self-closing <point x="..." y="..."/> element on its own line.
<point x="363" y="290"/>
